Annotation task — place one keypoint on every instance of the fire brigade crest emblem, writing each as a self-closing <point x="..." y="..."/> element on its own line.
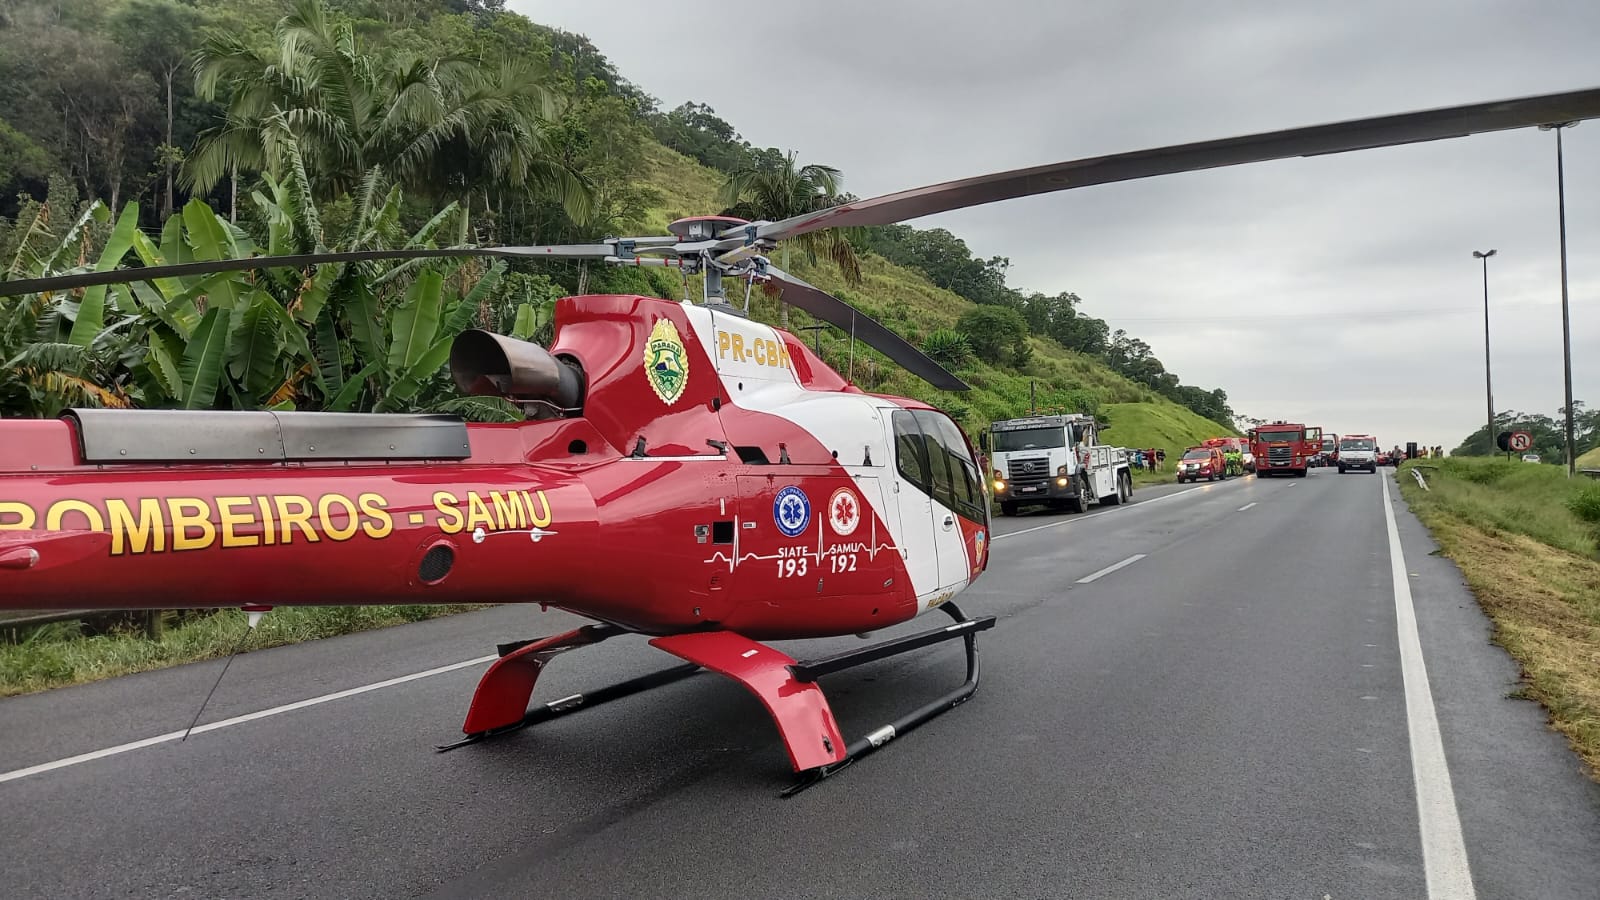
<point x="666" y="363"/>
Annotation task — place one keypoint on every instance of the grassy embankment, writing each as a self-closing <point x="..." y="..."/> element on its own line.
<point x="1528" y="541"/>
<point x="56" y="655"/>
<point x="904" y="300"/>
<point x="1590" y="460"/>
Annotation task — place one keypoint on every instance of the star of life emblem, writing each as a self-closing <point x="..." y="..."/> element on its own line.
<point x="844" y="512"/>
<point x="791" y="511"/>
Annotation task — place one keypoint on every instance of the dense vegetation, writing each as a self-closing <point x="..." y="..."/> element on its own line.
<point x="145" y="131"/>
<point x="1549" y="434"/>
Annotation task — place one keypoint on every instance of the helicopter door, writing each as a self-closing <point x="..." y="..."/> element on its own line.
<point x="956" y="493"/>
<point x="918" y="533"/>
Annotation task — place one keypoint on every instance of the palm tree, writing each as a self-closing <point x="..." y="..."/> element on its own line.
<point x="777" y="190"/>
<point x="446" y="129"/>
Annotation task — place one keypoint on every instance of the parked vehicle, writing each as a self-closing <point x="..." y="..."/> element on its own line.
<point x="1057" y="461"/>
<point x="1202" y="462"/>
<point x="1284" y="447"/>
<point x="1358" y="451"/>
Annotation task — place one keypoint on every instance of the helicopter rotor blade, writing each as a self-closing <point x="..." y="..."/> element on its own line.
<point x="178" y="270"/>
<point x="1316" y="140"/>
<point x="823" y="305"/>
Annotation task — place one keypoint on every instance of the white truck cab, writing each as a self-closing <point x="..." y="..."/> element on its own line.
<point x="1056" y="461"/>
<point x="1358" y="451"/>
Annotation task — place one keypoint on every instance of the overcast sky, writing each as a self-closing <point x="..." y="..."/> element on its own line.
<point x="1340" y="291"/>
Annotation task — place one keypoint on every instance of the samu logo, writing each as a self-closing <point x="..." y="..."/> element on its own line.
<point x="791" y="510"/>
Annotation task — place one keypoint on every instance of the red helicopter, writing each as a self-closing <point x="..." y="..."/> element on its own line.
<point x="754" y="494"/>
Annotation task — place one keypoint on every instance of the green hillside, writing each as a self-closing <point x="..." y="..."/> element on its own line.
<point x="1590" y="460"/>
<point x="1164" y="425"/>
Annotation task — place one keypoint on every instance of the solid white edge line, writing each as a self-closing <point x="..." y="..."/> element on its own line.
<point x="1111" y="568"/>
<point x="91" y="756"/>
<point x="1444" y="851"/>
<point x="1103" y="512"/>
<point x="1247" y="506"/>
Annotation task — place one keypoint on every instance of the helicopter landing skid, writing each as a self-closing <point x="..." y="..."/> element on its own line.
<point x="964" y="628"/>
<point x="500" y="704"/>
<point x="786" y="687"/>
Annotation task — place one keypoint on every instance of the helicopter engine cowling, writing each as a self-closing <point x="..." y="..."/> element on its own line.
<point x="489" y="364"/>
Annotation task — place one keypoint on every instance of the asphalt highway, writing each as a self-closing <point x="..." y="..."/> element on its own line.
<point x="1205" y="694"/>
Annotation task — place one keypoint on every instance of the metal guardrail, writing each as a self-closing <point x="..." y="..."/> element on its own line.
<point x="152" y="621"/>
<point x="1592" y="473"/>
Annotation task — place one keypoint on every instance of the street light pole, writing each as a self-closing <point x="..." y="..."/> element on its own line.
<point x="1488" y="385"/>
<point x="1566" y="324"/>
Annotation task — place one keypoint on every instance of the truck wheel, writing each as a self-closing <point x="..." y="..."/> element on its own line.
<point x="1116" y="497"/>
<point x="1079" y="501"/>
<point x="1127" y="488"/>
<point x="1008" y="508"/>
<point x="1342" y="470"/>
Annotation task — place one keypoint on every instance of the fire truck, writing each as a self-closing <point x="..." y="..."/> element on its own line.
<point x="1284" y="448"/>
<point x="1057" y="461"/>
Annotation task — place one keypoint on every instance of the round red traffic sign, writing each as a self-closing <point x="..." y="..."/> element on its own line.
<point x="1521" y="441"/>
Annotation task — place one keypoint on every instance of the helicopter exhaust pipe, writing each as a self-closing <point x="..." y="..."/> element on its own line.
<point x="487" y="364"/>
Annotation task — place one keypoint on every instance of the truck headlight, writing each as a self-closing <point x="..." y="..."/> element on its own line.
<point x="1061" y="482"/>
<point x="999" y="485"/>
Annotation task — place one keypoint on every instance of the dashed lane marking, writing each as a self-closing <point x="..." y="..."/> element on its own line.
<point x="1247" y="506"/>
<point x="1111" y="568"/>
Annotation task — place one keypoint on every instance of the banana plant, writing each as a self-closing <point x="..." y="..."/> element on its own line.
<point x="372" y="336"/>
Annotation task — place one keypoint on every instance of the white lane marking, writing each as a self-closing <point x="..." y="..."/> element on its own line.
<point x="1444" y="852"/>
<point x="1104" y="512"/>
<point x="1247" y="506"/>
<point x="1111" y="568"/>
<point x="41" y="768"/>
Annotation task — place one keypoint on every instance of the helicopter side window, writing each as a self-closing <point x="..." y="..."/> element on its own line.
<point x="910" y="454"/>
<point x="955" y="477"/>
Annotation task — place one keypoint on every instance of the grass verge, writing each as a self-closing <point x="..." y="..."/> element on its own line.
<point x="56" y="655"/>
<point x="1535" y="567"/>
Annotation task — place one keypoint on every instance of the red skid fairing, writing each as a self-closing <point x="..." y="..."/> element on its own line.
<point x="798" y="707"/>
<point x="501" y="699"/>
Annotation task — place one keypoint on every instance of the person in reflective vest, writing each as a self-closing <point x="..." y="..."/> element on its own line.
<point x="1235" y="461"/>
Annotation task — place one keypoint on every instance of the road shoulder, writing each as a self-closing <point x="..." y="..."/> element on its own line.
<point x="1530" y="816"/>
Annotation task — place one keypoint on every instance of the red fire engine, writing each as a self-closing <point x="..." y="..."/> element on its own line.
<point x="1284" y="447"/>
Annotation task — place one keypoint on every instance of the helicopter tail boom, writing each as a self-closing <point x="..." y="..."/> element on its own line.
<point x="281" y="509"/>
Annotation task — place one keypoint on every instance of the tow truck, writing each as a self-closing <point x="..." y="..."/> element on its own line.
<point x="1284" y="448"/>
<point x="1056" y="460"/>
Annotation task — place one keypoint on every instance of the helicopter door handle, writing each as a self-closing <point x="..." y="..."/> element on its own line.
<point x="949" y="522"/>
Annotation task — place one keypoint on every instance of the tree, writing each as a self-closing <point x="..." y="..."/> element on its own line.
<point x="998" y="334"/>
<point x="463" y="129"/>
<point x="158" y="35"/>
<point x="774" y="191"/>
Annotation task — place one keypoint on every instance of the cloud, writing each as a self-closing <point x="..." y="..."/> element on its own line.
<point x="1337" y="290"/>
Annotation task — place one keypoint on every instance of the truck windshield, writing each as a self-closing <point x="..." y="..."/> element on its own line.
<point x="1029" y="439"/>
<point x="1327" y="444"/>
<point x="1272" y="436"/>
<point x="1361" y="444"/>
